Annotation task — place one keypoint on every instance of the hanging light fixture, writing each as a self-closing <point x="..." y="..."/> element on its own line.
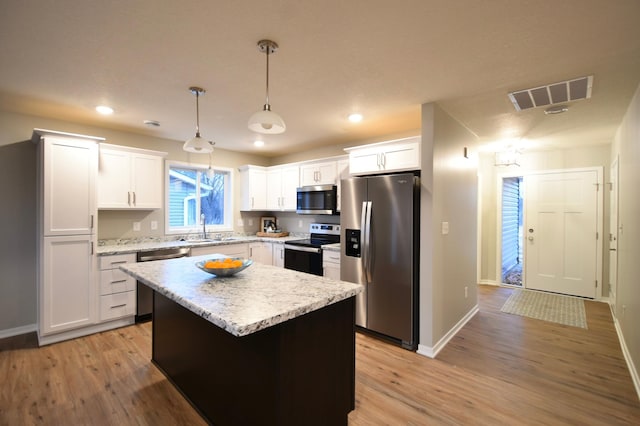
<point x="197" y="144"/>
<point x="267" y="121"/>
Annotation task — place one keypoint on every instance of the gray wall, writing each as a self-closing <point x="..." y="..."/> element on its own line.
<point x="448" y="263"/>
<point x="17" y="235"/>
<point x="627" y="308"/>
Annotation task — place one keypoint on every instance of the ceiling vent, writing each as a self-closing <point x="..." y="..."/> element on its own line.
<point x="563" y="91"/>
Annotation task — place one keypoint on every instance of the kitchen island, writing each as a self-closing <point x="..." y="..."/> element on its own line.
<point x="265" y="346"/>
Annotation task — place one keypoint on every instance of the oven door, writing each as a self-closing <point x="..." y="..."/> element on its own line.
<point x="303" y="259"/>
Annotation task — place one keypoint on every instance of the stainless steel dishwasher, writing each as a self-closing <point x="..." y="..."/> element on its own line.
<point x="144" y="294"/>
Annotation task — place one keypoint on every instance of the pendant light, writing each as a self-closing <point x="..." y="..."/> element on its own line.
<point x="267" y="121"/>
<point x="197" y="144"/>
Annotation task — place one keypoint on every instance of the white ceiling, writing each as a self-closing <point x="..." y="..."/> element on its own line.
<point x="61" y="58"/>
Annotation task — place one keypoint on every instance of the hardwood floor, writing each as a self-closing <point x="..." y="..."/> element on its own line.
<point x="500" y="369"/>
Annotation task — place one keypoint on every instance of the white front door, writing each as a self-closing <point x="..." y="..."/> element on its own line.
<point x="561" y="232"/>
<point x="613" y="234"/>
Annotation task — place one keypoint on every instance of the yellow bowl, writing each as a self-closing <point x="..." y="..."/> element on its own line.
<point x="224" y="272"/>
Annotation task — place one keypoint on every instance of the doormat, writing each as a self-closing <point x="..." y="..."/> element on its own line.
<point x="547" y="307"/>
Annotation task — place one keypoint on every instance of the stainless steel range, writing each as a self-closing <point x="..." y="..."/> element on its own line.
<point x="306" y="255"/>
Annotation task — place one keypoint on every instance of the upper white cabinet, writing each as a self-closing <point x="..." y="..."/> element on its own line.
<point x="318" y="174"/>
<point x="343" y="173"/>
<point x="282" y="182"/>
<point x="391" y="156"/>
<point x="68" y="170"/>
<point x="254" y="188"/>
<point x="130" y="178"/>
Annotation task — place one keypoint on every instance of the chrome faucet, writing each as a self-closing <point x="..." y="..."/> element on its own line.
<point x="204" y="230"/>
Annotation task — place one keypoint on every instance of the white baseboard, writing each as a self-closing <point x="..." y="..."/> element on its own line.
<point x="24" y="329"/>
<point x="432" y="352"/>
<point x="84" y="331"/>
<point x="627" y="356"/>
<point x="489" y="282"/>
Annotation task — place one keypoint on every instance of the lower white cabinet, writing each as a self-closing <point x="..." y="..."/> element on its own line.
<point x="231" y="250"/>
<point x="261" y="252"/>
<point x="331" y="264"/>
<point x="67" y="292"/>
<point x="117" y="289"/>
<point x="278" y="255"/>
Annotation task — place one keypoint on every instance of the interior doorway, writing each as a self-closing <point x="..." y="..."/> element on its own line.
<point x="512" y="231"/>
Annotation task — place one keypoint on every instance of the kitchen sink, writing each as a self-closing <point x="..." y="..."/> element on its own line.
<point x="210" y="240"/>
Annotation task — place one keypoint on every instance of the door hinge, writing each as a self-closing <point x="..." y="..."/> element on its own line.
<point x="596" y="283"/>
<point x="597" y="186"/>
<point x="597" y="235"/>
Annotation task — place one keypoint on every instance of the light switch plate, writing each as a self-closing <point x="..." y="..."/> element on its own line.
<point x="445" y="228"/>
<point x="136" y="226"/>
<point x="240" y="222"/>
<point x="250" y="222"/>
<point x="154" y="225"/>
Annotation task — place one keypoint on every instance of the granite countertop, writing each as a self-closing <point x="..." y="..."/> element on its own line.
<point x="110" y="249"/>
<point x="252" y="300"/>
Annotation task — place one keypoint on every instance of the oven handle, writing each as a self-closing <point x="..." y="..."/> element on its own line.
<point x="301" y="248"/>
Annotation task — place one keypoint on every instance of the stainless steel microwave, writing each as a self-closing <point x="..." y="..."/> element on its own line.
<point x="317" y="199"/>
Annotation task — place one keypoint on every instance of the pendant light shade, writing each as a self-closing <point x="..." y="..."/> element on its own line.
<point x="197" y="144"/>
<point x="267" y="121"/>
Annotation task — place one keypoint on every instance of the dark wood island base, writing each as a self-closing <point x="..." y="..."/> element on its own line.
<point x="299" y="372"/>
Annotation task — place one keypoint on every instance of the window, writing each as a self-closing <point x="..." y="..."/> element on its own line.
<point x="194" y="193"/>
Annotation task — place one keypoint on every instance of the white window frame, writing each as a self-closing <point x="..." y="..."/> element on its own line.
<point x="228" y="201"/>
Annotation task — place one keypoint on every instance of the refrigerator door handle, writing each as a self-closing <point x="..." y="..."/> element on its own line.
<point x="367" y="243"/>
<point x="363" y="238"/>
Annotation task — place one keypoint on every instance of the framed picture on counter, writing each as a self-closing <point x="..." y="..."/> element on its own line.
<point x="267" y="224"/>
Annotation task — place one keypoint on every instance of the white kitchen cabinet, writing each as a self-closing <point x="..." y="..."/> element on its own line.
<point x="67" y="291"/>
<point x="278" y="255"/>
<point x="331" y="264"/>
<point x="318" y="173"/>
<point x="231" y="250"/>
<point x="282" y="182"/>
<point x="117" y="289"/>
<point x="67" y="180"/>
<point x="253" y="181"/>
<point x="392" y="156"/>
<point x="261" y="252"/>
<point x="130" y="178"/>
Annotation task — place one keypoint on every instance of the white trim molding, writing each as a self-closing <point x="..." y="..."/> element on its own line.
<point x="627" y="355"/>
<point x="24" y="329"/>
<point x="432" y="352"/>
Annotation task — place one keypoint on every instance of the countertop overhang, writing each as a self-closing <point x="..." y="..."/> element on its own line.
<point x="252" y="300"/>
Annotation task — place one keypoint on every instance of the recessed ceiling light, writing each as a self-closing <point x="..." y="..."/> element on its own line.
<point x="355" y="118"/>
<point x="258" y="143"/>
<point x="104" y="110"/>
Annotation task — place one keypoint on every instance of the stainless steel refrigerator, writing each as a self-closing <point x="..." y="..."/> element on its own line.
<point x="379" y="219"/>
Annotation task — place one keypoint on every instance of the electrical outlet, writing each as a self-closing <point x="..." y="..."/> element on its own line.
<point x="136" y="226"/>
<point x="466" y="292"/>
<point x="250" y="222"/>
<point x="300" y="223"/>
<point x="240" y="222"/>
<point x="154" y="225"/>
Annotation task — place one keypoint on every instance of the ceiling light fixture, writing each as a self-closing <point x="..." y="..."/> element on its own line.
<point x="355" y="118"/>
<point x="267" y="121"/>
<point x="197" y="144"/>
<point x="104" y="110"/>
<point x="259" y="143"/>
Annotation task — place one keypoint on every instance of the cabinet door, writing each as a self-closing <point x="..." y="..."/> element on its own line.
<point x="327" y="173"/>
<point x="401" y="157"/>
<point x="261" y="252"/>
<point x="308" y="175"/>
<point x="254" y="189"/>
<point x="68" y="186"/>
<point x="67" y="290"/>
<point x="342" y="173"/>
<point x="114" y="179"/>
<point x="274" y="189"/>
<point x="364" y="161"/>
<point x="278" y="255"/>
<point x="146" y="181"/>
<point x="290" y="183"/>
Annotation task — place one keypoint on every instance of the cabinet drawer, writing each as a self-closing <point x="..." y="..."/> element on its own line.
<point x="114" y="261"/>
<point x="117" y="305"/>
<point x="115" y="281"/>
<point x="331" y="256"/>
